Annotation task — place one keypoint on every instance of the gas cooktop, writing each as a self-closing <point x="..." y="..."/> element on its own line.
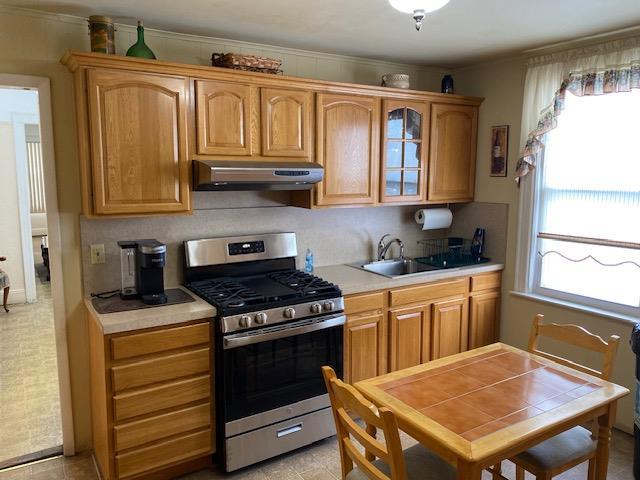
<point x="234" y="295"/>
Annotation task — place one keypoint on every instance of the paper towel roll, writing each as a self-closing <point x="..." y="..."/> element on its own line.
<point x="433" y="218"/>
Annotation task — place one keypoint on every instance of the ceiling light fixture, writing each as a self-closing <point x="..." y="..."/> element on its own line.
<point x="419" y="8"/>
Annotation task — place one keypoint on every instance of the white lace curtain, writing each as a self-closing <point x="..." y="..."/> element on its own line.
<point x="596" y="70"/>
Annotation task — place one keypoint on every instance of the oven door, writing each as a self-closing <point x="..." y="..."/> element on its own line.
<point x="276" y="366"/>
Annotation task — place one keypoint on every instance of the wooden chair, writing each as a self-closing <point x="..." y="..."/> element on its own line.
<point x="392" y="462"/>
<point x="572" y="447"/>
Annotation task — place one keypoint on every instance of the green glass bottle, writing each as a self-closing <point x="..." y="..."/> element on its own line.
<point x="140" y="49"/>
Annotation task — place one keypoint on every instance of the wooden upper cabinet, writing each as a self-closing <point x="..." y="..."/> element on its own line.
<point x="452" y="154"/>
<point x="405" y="143"/>
<point x="286" y="122"/>
<point x="223" y="118"/>
<point x="138" y="139"/>
<point x="347" y="145"/>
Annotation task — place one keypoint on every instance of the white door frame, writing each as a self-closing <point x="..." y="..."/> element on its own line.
<point x="42" y="85"/>
<point x="22" y="175"/>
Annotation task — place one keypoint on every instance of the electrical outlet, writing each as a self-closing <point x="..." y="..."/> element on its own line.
<point x="97" y="253"/>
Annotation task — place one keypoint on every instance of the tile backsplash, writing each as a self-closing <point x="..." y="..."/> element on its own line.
<point x="335" y="236"/>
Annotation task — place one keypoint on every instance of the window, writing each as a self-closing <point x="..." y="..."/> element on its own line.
<point x="587" y="231"/>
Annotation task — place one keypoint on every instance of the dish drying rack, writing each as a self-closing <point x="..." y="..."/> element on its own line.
<point x="449" y="252"/>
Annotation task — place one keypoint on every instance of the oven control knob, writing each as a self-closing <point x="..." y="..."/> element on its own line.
<point x="261" y="318"/>
<point x="245" y="321"/>
<point x="316" y="308"/>
<point x="328" y="306"/>
<point x="289" y="312"/>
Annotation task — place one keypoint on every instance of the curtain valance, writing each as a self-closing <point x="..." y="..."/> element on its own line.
<point x="597" y="70"/>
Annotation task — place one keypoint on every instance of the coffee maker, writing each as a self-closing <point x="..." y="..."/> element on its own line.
<point x="142" y="270"/>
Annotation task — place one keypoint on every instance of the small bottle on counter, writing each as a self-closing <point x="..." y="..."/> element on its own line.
<point x="308" y="261"/>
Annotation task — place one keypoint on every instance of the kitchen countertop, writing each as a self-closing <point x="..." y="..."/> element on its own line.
<point x="350" y="280"/>
<point x="353" y="280"/>
<point x="152" y="317"/>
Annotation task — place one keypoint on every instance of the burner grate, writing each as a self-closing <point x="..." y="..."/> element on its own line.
<point x="304" y="283"/>
<point x="233" y="295"/>
<point x="227" y="293"/>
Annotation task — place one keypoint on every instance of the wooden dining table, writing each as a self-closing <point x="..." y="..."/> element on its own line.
<point x="480" y="407"/>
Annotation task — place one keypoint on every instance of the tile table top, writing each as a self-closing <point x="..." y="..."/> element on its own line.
<point x="478" y="396"/>
<point x="477" y="403"/>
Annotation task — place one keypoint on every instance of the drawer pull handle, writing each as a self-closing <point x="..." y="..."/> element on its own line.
<point x="289" y="430"/>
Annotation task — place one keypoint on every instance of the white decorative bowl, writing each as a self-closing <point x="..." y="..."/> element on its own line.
<point x="395" y="80"/>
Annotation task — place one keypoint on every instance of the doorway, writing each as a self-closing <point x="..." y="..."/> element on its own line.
<point x="35" y="414"/>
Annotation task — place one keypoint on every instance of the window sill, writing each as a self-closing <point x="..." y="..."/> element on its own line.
<point x="628" y="319"/>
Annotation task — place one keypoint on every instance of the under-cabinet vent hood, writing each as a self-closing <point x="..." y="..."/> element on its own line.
<point x="215" y="175"/>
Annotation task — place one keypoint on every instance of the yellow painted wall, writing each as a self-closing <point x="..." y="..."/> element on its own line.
<point x="32" y="43"/>
<point x="502" y="85"/>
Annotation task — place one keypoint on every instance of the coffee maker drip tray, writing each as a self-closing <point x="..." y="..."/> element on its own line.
<point x="116" y="304"/>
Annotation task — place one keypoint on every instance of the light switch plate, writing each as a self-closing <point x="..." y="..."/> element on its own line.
<point x="97" y="253"/>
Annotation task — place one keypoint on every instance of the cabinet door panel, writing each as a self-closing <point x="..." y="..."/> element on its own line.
<point x="224" y="118"/>
<point x="410" y="337"/>
<point x="286" y="122"/>
<point x="347" y="145"/>
<point x="452" y="159"/>
<point x="138" y="137"/>
<point x="450" y="327"/>
<point x="404" y="151"/>
<point x="484" y="318"/>
<point x="365" y="347"/>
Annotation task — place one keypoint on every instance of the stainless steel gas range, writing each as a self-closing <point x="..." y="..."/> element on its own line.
<point x="275" y="327"/>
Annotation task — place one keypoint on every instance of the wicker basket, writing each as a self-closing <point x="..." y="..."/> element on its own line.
<point x="250" y="63"/>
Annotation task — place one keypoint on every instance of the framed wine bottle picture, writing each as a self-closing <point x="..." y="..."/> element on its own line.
<point x="499" y="150"/>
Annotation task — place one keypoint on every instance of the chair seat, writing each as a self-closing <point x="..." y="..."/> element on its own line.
<point x="560" y="450"/>
<point x="420" y="463"/>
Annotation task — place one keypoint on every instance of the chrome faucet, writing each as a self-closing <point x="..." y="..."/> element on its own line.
<point x="382" y="247"/>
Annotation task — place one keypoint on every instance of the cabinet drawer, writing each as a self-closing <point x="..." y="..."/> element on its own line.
<point x="159" y="341"/>
<point x="160" y="369"/>
<point x="486" y="281"/>
<point x="364" y="303"/>
<point x="134" y="434"/>
<point x="165" y="453"/>
<point x="128" y="405"/>
<point x="404" y="296"/>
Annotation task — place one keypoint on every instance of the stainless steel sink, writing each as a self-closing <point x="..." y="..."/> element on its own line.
<point x="395" y="268"/>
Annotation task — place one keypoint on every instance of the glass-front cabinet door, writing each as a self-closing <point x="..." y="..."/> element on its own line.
<point x="404" y="151"/>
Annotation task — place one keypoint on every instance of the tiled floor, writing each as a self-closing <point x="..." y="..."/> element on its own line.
<point x="29" y="392"/>
<point x="317" y="462"/>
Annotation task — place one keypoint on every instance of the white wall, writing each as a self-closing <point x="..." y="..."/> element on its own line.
<point x="14" y="100"/>
<point x="14" y="103"/>
<point x="10" y="242"/>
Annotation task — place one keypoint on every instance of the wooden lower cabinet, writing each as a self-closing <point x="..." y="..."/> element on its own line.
<point x="399" y="328"/>
<point x="365" y="345"/>
<point x="483" y="318"/>
<point x="410" y="337"/>
<point x="450" y="327"/>
<point x="152" y="401"/>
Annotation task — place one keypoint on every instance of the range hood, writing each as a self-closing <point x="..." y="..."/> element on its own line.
<point x="215" y="175"/>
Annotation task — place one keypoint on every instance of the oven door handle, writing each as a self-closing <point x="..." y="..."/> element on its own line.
<point x="291" y="330"/>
